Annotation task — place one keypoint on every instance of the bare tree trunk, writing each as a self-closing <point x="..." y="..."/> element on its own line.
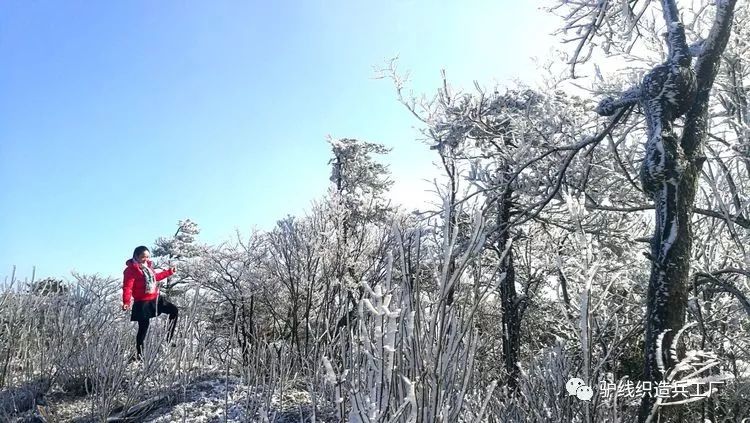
<point x="452" y="209"/>
<point x="668" y="283"/>
<point x="510" y="302"/>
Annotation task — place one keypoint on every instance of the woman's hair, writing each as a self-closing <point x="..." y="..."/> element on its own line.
<point x="139" y="250"/>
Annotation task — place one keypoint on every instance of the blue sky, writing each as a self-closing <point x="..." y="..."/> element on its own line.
<point x="117" y="119"/>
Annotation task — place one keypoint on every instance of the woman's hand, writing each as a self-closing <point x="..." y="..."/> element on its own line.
<point x="126" y="306"/>
<point x="173" y="270"/>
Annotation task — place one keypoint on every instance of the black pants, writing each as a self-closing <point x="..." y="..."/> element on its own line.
<point x="144" y="319"/>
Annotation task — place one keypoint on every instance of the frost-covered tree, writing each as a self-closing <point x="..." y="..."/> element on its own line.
<point x="675" y="98"/>
<point x="179" y="251"/>
<point x="49" y="286"/>
<point x="504" y="139"/>
<point x="360" y="182"/>
<point x="358" y="207"/>
<point x="517" y="150"/>
<point x="180" y="245"/>
<point x="230" y="275"/>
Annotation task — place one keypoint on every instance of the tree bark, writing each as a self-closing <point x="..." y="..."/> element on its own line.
<point x="674" y="202"/>
<point x="511" y="312"/>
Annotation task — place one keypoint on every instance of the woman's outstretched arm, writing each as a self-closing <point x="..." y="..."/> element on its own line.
<point x="164" y="274"/>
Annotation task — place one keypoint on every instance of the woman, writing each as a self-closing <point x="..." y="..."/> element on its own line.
<point x="140" y="283"/>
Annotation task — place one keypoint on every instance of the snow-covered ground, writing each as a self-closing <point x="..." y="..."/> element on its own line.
<point x="208" y="398"/>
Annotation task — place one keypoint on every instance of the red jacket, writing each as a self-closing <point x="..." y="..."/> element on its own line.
<point x="134" y="282"/>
